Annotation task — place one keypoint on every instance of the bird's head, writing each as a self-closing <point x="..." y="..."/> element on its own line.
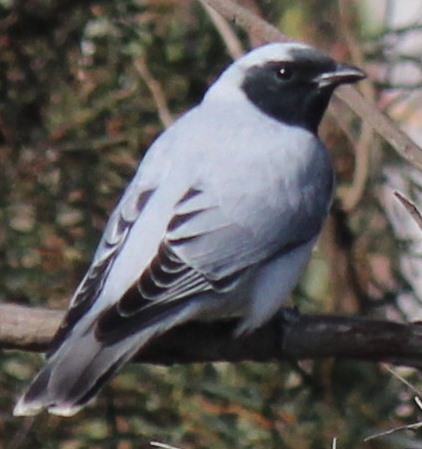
<point x="290" y="82"/>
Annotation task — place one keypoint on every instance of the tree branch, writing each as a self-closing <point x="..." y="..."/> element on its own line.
<point x="299" y="337"/>
<point x="232" y="42"/>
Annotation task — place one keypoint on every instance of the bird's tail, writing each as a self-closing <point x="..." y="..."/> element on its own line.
<point x="75" y="373"/>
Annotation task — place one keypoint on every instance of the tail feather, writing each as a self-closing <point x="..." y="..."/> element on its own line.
<point x="32" y="400"/>
<point x="74" y="374"/>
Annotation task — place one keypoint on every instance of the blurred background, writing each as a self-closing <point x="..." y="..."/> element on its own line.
<point x="85" y="86"/>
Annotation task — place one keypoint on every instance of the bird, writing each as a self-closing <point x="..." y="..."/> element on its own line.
<point x="219" y="221"/>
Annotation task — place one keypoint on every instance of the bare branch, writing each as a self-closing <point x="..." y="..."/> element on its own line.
<point x="411" y="208"/>
<point x="362" y="146"/>
<point x="382" y="124"/>
<point x="247" y="20"/>
<point x="156" y="92"/>
<point x="299" y="337"/>
<point x="27" y="328"/>
<point x="234" y="47"/>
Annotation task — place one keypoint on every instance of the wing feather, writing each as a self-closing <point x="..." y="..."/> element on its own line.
<point x="92" y="284"/>
<point x="168" y="281"/>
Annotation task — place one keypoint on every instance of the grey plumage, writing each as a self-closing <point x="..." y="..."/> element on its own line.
<point x="219" y="220"/>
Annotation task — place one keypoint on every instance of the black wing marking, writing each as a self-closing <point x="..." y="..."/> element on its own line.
<point x="93" y="282"/>
<point x="168" y="283"/>
<point x="164" y="288"/>
<point x="166" y="279"/>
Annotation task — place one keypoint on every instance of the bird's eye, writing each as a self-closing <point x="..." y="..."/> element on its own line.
<point x="284" y="73"/>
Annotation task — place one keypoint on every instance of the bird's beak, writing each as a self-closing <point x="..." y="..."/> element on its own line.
<point x="343" y="74"/>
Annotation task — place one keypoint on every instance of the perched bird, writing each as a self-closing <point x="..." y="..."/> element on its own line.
<point x="218" y="221"/>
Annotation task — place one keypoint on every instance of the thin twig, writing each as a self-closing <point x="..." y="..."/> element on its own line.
<point x="156" y="92"/>
<point x="234" y="47"/>
<point x="411" y="208"/>
<point x="248" y="20"/>
<point x="162" y="445"/>
<point x="382" y="124"/>
<point x="355" y="192"/>
<point x="413" y="426"/>
<point x="403" y="380"/>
